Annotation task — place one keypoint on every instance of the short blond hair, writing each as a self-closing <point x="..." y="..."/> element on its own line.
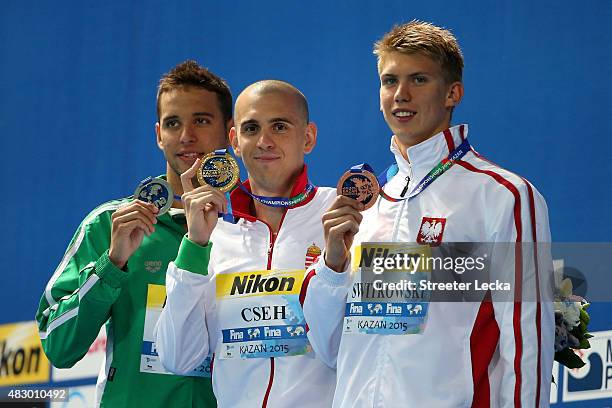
<point x="419" y="37"/>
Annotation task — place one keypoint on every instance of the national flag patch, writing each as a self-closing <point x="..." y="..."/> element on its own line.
<point x="431" y="231"/>
<point x="312" y="254"/>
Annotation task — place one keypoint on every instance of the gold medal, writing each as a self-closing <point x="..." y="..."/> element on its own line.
<point x="361" y="186"/>
<point x="219" y="170"/>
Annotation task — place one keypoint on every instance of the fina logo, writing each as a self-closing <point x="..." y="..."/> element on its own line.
<point x="594" y="380"/>
<point x="75" y="399"/>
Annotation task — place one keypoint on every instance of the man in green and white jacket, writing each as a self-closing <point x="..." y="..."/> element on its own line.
<point x="113" y="271"/>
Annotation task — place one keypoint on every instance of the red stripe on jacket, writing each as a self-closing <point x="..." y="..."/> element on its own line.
<point x="535" y="255"/>
<point x="304" y="289"/>
<point x="264" y="404"/>
<point x="534" y="236"/>
<point x="518" y="272"/>
<point x="450" y="143"/>
<point x="483" y="341"/>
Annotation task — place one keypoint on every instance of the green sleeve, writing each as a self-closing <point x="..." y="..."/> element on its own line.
<point x="78" y="298"/>
<point x="193" y="257"/>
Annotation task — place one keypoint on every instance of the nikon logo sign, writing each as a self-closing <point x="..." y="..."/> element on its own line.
<point x="14" y="362"/>
<point x="258" y="284"/>
<point x="22" y="360"/>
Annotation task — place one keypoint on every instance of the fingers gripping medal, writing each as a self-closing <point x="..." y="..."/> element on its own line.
<point x="219" y="170"/>
<point x="359" y="183"/>
<point x="157" y="192"/>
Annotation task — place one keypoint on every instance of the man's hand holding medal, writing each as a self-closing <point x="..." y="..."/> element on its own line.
<point x="217" y="173"/>
<point x="358" y="190"/>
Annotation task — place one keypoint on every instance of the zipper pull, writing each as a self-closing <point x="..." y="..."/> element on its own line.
<point x="406" y="187"/>
<point x="272" y="243"/>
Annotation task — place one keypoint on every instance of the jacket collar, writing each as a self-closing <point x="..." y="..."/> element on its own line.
<point x="241" y="201"/>
<point x="425" y="155"/>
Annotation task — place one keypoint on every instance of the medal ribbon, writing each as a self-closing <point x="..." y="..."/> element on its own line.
<point x="280" y="201"/>
<point x="359" y="168"/>
<point x="433" y="174"/>
<point x="229" y="215"/>
<point x="441" y="167"/>
<point x="269" y="201"/>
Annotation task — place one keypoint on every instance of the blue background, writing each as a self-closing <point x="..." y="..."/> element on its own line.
<point x="77" y="106"/>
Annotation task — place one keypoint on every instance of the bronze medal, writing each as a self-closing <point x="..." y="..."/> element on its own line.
<point x="361" y="186"/>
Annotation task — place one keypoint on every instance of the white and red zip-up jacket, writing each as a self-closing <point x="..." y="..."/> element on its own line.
<point x="478" y="354"/>
<point x="188" y="328"/>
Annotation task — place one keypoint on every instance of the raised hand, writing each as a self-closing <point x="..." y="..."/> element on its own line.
<point x="340" y="224"/>
<point x="130" y="223"/>
<point x="202" y="205"/>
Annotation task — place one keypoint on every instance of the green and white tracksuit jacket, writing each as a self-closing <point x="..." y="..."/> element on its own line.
<point x="87" y="291"/>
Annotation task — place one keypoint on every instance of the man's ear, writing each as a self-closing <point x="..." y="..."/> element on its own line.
<point x="233" y="136"/>
<point x="455" y="94"/>
<point x="228" y="126"/>
<point x="158" y="136"/>
<point x="310" y="139"/>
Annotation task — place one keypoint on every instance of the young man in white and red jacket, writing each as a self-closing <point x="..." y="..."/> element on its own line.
<point x="234" y="289"/>
<point x="495" y="352"/>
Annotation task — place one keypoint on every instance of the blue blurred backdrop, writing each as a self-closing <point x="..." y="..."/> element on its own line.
<point x="77" y="106"/>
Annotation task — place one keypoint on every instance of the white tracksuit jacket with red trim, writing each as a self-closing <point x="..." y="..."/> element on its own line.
<point x="189" y="328"/>
<point x="496" y="354"/>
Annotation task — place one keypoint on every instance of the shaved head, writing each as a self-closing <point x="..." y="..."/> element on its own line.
<point x="271" y="134"/>
<point x="271" y="86"/>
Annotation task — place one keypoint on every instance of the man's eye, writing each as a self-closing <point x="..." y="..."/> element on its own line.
<point x="202" y="121"/>
<point x="279" y="127"/>
<point x="388" y="81"/>
<point x="419" y="79"/>
<point x="171" y="123"/>
<point x="250" y="129"/>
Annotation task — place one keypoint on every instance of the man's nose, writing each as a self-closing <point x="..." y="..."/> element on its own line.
<point x="402" y="92"/>
<point x="265" y="140"/>
<point x="188" y="134"/>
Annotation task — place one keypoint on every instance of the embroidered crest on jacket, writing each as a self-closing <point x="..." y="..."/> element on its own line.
<point x="431" y="231"/>
<point x="312" y="254"/>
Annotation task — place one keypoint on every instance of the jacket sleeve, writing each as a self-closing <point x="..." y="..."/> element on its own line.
<point x="525" y="321"/>
<point x="79" y="296"/>
<point x="182" y="332"/>
<point x="324" y="300"/>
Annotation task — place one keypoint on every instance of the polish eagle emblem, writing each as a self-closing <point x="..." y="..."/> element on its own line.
<point x="431" y="230"/>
